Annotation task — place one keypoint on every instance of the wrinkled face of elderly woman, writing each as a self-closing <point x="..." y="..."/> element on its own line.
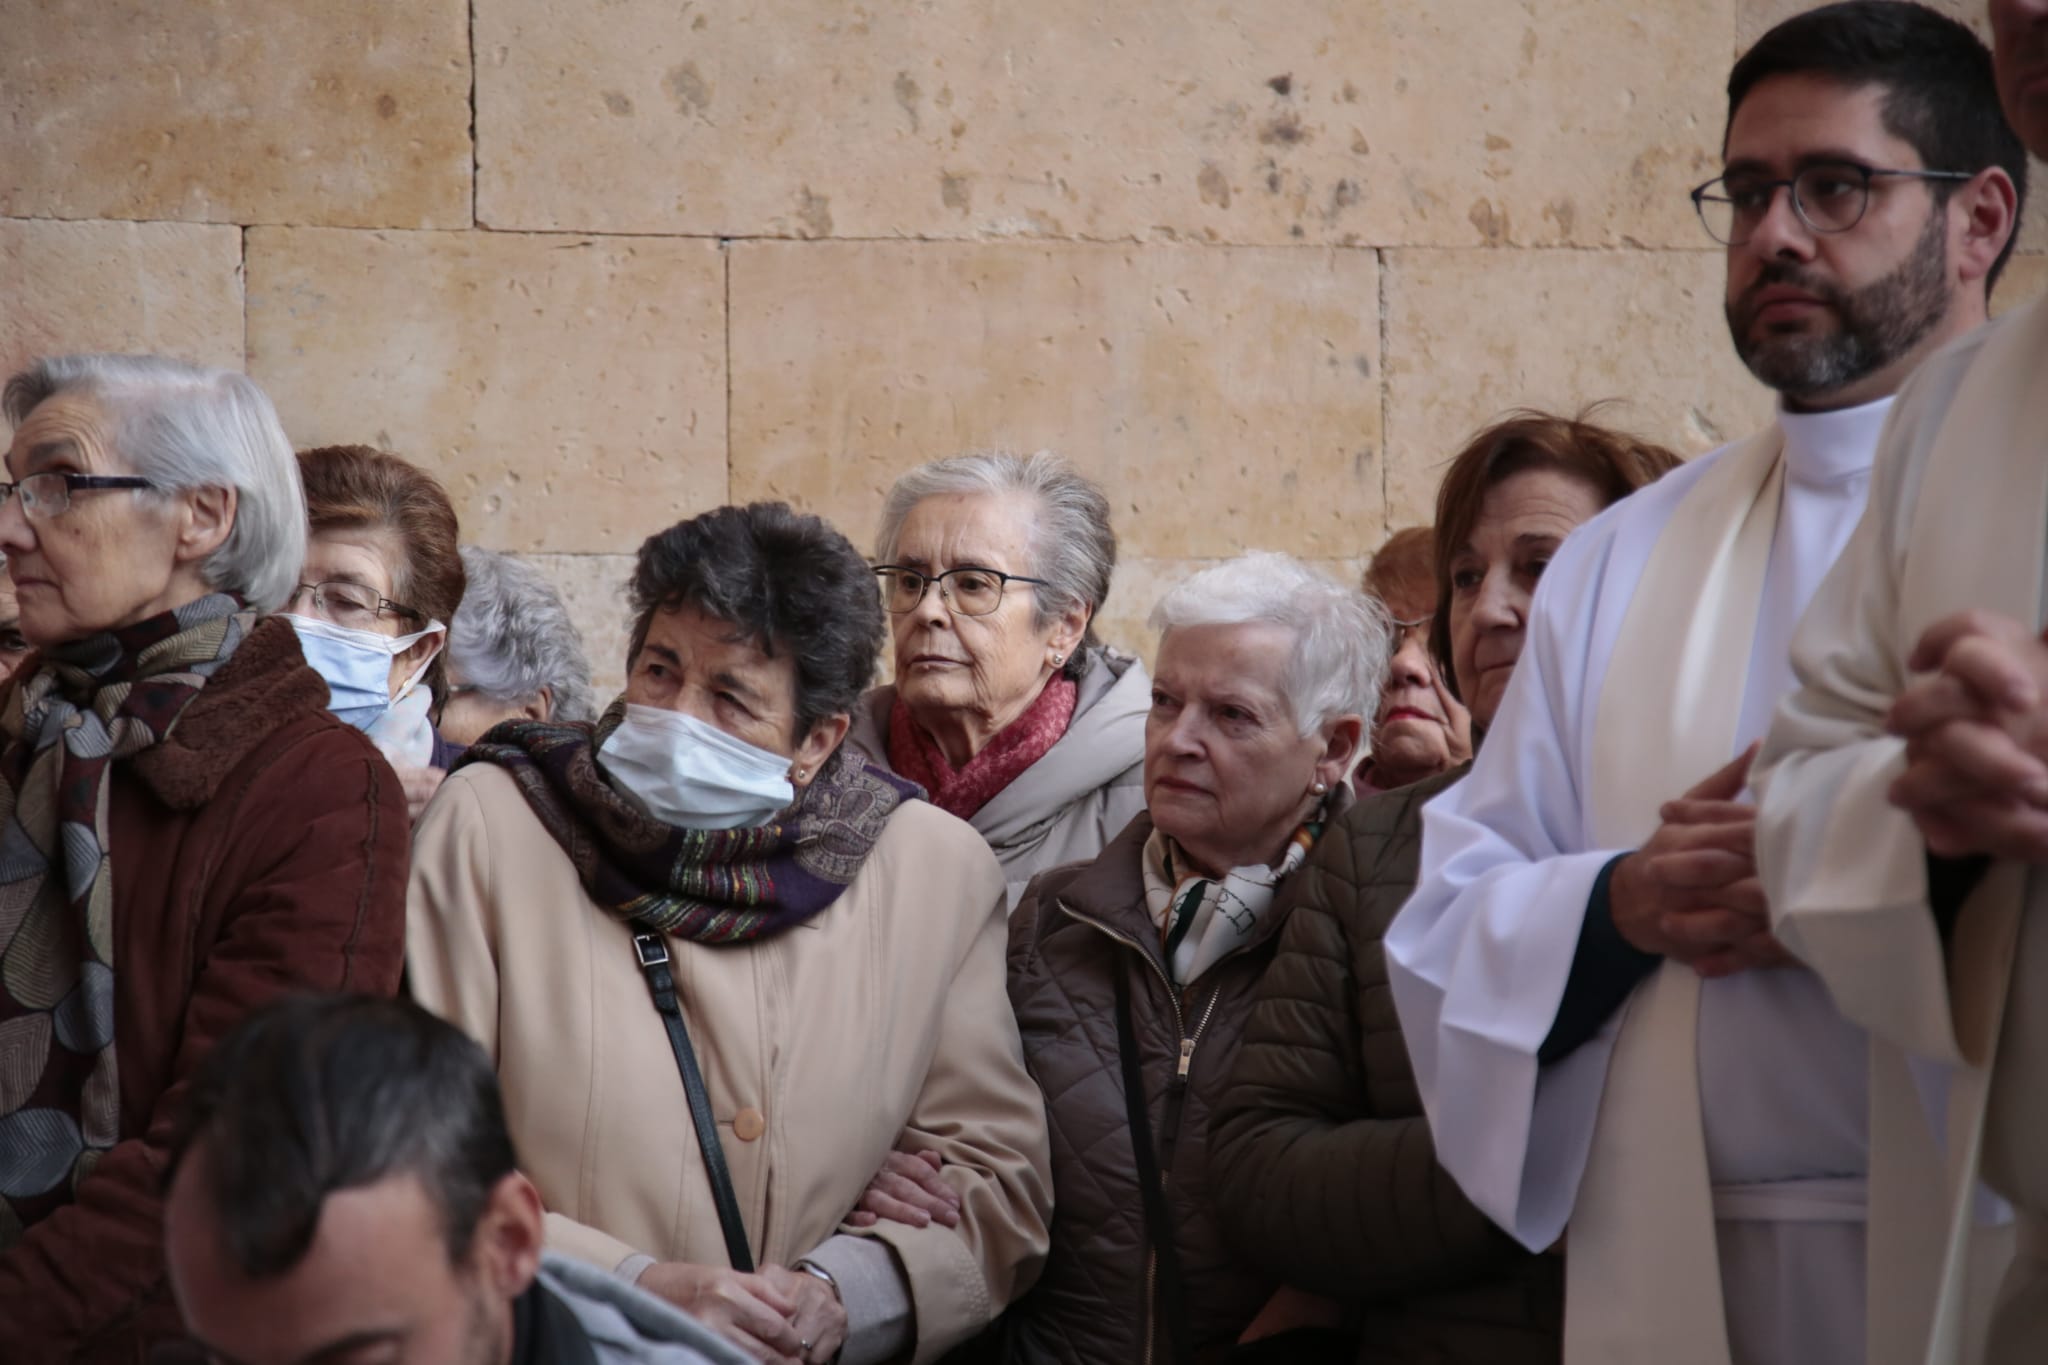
<point x="83" y="559"/>
<point x="1228" y="773"/>
<point x="963" y="676"/>
<point x="700" y="666"/>
<point x="1421" y="729"/>
<point x="1524" y="519"/>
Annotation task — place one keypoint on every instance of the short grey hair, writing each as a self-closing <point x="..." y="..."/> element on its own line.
<point x="512" y="636"/>
<point x="187" y="426"/>
<point x="1072" y="546"/>
<point x="1343" y="639"/>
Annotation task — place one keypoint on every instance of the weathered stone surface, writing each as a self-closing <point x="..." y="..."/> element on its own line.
<point x="166" y="288"/>
<point x="237" y="111"/>
<point x="1258" y="122"/>
<point x="2025" y="279"/>
<point x="1223" y="398"/>
<point x="594" y="587"/>
<point x="570" y="392"/>
<point x="1471" y="334"/>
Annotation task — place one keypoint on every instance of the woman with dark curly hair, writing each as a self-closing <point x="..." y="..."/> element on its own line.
<point x="708" y="874"/>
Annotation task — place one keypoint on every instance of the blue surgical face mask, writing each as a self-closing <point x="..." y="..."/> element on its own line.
<point x="693" y="775"/>
<point x="356" y="666"/>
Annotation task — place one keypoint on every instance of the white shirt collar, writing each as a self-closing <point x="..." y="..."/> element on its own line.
<point x="1827" y="447"/>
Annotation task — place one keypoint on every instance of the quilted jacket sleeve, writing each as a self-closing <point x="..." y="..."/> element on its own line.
<point x="1323" y="1164"/>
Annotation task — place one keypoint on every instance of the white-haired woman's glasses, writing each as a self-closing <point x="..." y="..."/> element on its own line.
<point x="44" y="496"/>
<point x="968" y="591"/>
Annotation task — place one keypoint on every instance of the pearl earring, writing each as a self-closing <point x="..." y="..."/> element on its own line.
<point x="1320" y="788"/>
<point x="1059" y="660"/>
<point x="798" y="774"/>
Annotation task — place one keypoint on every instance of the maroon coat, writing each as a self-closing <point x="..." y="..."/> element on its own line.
<point x="261" y="849"/>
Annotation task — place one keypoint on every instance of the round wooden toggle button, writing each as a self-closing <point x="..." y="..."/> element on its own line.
<point x="747" y="1125"/>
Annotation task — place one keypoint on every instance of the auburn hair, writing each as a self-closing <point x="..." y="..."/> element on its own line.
<point x="352" y="487"/>
<point x="1403" y="569"/>
<point x="1612" y="463"/>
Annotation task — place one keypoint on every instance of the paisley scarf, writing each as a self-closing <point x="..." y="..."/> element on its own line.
<point x="717" y="886"/>
<point x="88" y="704"/>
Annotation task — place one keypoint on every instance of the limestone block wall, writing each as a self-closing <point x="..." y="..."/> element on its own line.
<point x="1258" y="265"/>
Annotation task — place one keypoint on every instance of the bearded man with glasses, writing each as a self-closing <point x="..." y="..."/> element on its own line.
<point x="1612" y="1047"/>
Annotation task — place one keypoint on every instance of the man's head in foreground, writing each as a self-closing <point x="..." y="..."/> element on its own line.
<point x="343" y="1190"/>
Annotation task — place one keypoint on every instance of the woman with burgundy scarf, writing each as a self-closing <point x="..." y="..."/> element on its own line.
<point x="165" y="865"/>
<point x="725" y="965"/>
<point x="1006" y="709"/>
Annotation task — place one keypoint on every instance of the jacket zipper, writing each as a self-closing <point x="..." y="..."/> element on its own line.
<point x="1175" y="1093"/>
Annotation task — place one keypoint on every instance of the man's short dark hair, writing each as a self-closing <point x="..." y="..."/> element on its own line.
<point x="319" y="1094"/>
<point x="1941" y="95"/>
<point x="786" y="581"/>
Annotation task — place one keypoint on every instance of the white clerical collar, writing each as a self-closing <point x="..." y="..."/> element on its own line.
<point x="1827" y="447"/>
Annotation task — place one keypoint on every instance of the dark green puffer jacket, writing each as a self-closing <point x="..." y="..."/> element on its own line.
<point x="1321" y="1162"/>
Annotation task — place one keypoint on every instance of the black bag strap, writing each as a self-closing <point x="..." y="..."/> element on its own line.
<point x="1151" y="1184"/>
<point x="652" y="950"/>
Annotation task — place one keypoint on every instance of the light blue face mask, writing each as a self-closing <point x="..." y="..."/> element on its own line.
<point x="356" y="666"/>
<point x="693" y="775"/>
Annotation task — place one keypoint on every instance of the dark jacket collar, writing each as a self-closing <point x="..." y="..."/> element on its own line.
<point x="261" y="689"/>
<point x="545" y="1332"/>
<point x="1109" y="892"/>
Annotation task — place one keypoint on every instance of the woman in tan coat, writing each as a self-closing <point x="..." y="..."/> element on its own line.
<point x="832" y="943"/>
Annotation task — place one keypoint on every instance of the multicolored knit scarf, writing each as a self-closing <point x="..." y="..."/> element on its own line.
<point x="89" y="704"/>
<point x="964" y="790"/>
<point x="714" y="886"/>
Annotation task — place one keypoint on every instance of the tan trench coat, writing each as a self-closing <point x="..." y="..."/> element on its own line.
<point x="881" y="1018"/>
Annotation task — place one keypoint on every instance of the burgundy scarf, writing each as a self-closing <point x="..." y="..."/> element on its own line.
<point x="716" y="886"/>
<point x="965" y="790"/>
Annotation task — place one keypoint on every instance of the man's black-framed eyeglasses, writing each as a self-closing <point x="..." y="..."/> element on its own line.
<point x="1828" y="196"/>
<point x="969" y="591"/>
<point x="48" y="494"/>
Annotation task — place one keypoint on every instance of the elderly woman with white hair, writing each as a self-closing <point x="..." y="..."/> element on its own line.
<point x="1131" y="974"/>
<point x="165" y="865"/>
<point x="514" y="653"/>
<point x="1006" y="708"/>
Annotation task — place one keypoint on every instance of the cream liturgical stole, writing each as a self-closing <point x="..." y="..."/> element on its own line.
<point x="1976" y="539"/>
<point x="1642" y="1269"/>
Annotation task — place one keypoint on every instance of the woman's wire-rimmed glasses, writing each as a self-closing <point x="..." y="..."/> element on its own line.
<point x="353" y="605"/>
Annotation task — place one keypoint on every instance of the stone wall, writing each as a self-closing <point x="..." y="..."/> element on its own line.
<point x="1258" y="266"/>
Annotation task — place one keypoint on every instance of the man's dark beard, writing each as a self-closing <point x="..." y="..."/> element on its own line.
<point x="1878" y="323"/>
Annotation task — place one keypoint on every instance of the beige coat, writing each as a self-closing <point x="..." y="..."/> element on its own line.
<point x="879" y="1019"/>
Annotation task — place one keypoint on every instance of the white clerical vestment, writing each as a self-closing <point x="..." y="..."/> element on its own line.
<point x="1958" y="518"/>
<point x="1479" y="957"/>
